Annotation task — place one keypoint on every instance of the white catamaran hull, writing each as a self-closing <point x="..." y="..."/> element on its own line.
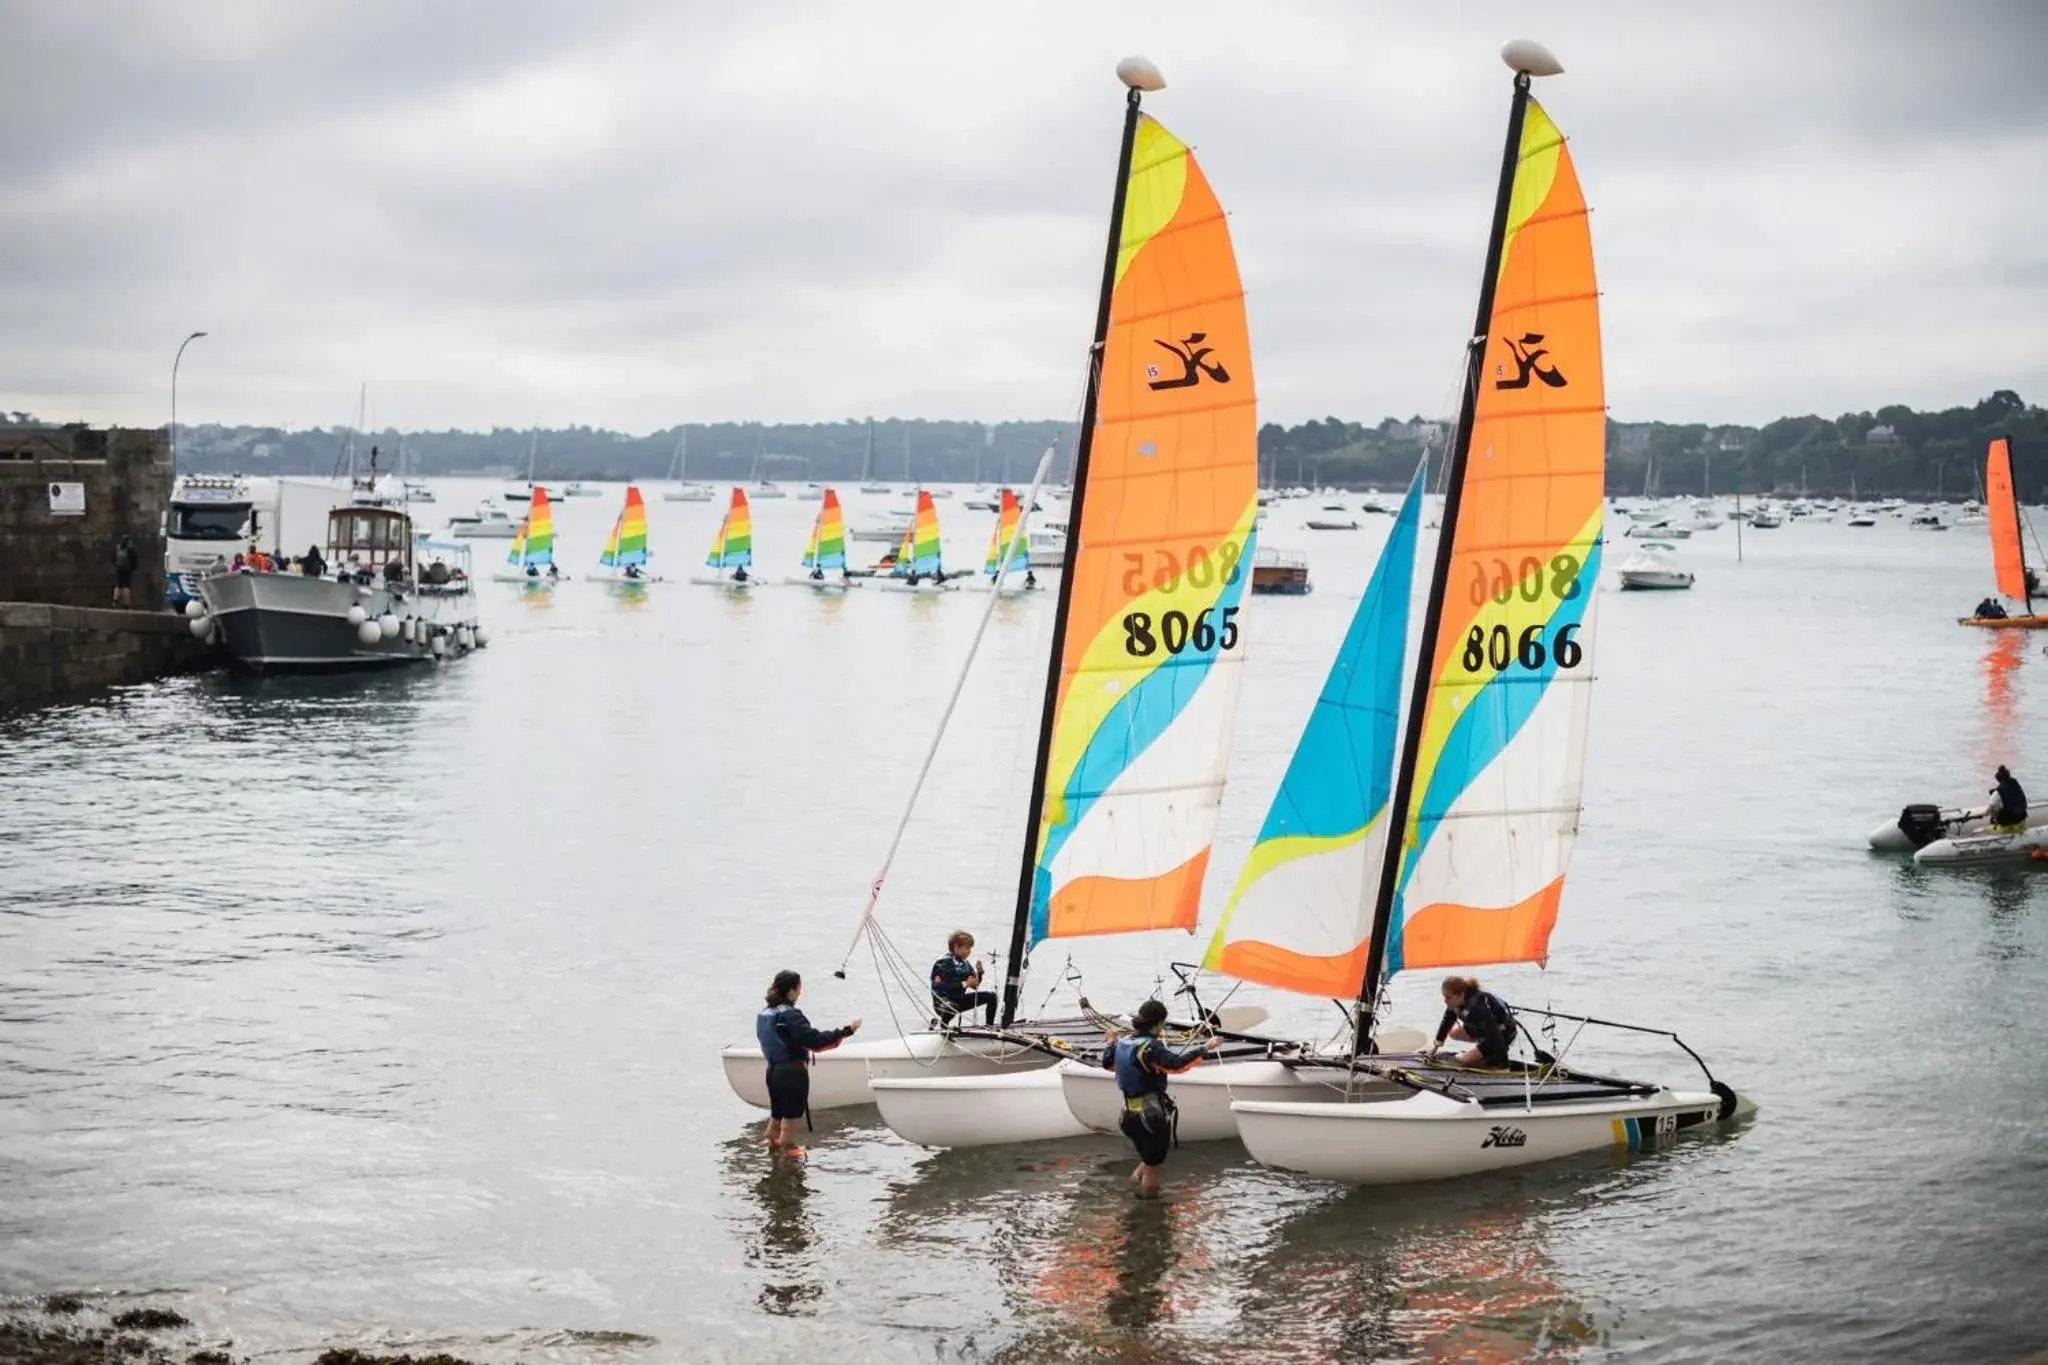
<point x="839" y="1077"/>
<point x="1203" y="1095"/>
<point x="1427" y="1136"/>
<point x="978" y="1111"/>
<point x="950" y="585"/>
<point x="832" y="584"/>
<point x="706" y="580"/>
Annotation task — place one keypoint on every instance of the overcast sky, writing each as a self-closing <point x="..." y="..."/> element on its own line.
<point x="632" y="214"/>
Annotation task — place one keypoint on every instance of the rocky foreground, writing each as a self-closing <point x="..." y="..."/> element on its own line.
<point x="67" y="1332"/>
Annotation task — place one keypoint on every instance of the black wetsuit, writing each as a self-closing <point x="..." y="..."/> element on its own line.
<point x="2012" y="801"/>
<point x="950" y="995"/>
<point x="1488" y="1023"/>
<point x="1142" y="1063"/>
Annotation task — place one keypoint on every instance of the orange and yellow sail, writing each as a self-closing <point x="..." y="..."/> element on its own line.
<point x="1494" y="804"/>
<point x="1159" y="560"/>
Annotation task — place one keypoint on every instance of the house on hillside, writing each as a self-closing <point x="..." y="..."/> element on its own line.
<point x="1635" y="440"/>
<point x="1733" y="439"/>
<point x="1881" y="436"/>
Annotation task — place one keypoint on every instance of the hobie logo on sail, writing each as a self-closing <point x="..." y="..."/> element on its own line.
<point x="1195" y="363"/>
<point x="1529" y="353"/>
<point x="1505" y="1137"/>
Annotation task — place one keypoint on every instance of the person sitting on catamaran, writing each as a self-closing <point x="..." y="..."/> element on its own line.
<point x="632" y="571"/>
<point x="787" y="1041"/>
<point x="739" y="575"/>
<point x="2008" y="809"/>
<point x="1142" y="1063"/>
<point x="1479" y="1017"/>
<point x="1030" y="580"/>
<point x="1990" y="609"/>
<point x="956" y="983"/>
<point x="817" y="575"/>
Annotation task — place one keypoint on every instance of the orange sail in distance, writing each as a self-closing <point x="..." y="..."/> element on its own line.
<point x="2008" y="560"/>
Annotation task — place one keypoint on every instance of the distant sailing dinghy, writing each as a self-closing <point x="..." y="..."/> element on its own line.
<point x="918" y="567"/>
<point x="1008" y="564"/>
<point x="1485" y="799"/>
<point x="732" y="549"/>
<point x="625" y="549"/>
<point x="825" y="552"/>
<point x="532" y="554"/>
<point x="2008" y="547"/>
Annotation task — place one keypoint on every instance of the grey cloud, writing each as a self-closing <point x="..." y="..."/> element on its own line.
<point x="632" y="214"/>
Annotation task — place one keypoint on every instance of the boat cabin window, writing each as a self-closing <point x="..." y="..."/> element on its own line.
<point x="371" y="536"/>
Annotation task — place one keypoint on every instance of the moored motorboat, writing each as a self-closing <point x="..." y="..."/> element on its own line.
<point x="1652" y="569"/>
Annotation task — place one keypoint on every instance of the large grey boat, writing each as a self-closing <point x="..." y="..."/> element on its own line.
<point x="384" y="599"/>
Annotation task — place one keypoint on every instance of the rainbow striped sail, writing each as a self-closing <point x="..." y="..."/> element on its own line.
<point x="533" y="544"/>
<point x="1493" y="806"/>
<point x="906" y="552"/>
<point x="922" y="539"/>
<point x="626" y="547"/>
<point x="827" y="548"/>
<point x="733" y="546"/>
<point x="1009" y="524"/>
<point x="1301" y="915"/>
<point x="1159" y="560"/>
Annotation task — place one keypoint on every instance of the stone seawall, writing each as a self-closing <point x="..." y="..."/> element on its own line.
<point x="58" y="654"/>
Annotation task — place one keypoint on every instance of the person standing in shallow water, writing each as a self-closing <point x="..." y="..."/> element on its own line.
<point x="1142" y="1063"/>
<point x="787" y="1042"/>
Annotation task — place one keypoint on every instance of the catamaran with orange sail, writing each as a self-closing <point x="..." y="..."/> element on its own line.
<point x="2010" y="574"/>
<point x="1486" y="791"/>
<point x="1140" y="692"/>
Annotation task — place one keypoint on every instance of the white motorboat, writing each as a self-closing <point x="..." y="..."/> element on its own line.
<point x="768" y="490"/>
<point x="1390" y="1135"/>
<point x="889" y="532"/>
<point x="689" y="492"/>
<point x="1651" y="568"/>
<point x="418" y="492"/>
<point x="1046" y="545"/>
<point x="575" y="489"/>
<point x="1661" y="530"/>
<point x="1326" y="524"/>
<point x="1924" y="823"/>
<point x="491" y="522"/>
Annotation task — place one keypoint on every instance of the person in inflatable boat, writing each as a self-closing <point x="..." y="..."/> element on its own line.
<point x="2008" y="809"/>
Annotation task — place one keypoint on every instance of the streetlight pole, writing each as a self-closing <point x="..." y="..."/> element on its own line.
<point x="174" y="398"/>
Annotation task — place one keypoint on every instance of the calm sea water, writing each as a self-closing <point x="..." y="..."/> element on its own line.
<point x="387" y="1010"/>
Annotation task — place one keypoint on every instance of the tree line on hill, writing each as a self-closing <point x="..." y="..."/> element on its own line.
<point x="1893" y="451"/>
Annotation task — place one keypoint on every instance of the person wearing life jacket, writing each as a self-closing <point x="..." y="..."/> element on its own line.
<point x="956" y="983"/>
<point x="1142" y="1063"/>
<point x="1479" y="1017"/>
<point x="787" y="1042"/>
<point x="2008" y="808"/>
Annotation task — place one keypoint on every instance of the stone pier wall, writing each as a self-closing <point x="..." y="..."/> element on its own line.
<point x="69" y="559"/>
<point x="54" y="654"/>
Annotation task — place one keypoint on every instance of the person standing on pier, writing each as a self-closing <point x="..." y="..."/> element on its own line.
<point x="125" y="563"/>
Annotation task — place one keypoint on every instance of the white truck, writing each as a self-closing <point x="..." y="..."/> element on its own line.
<point x="214" y="517"/>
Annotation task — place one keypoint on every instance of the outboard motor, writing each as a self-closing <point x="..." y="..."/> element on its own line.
<point x="1922" y="824"/>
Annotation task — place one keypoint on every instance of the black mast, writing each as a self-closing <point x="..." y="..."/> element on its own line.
<point x="1020" y="927"/>
<point x="2019" y="523"/>
<point x="1433" y="613"/>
